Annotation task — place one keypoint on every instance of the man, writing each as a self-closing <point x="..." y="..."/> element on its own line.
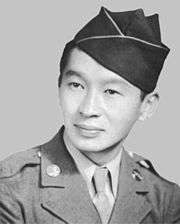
<point x="83" y="175"/>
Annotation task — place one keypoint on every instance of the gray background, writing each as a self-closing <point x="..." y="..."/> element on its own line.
<point x="32" y="36"/>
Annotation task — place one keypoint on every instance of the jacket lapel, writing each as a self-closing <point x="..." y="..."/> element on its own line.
<point x="131" y="205"/>
<point x="66" y="195"/>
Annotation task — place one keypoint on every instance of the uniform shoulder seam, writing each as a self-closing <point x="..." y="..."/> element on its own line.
<point x="15" y="162"/>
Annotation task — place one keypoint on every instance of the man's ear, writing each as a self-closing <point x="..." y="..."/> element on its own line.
<point x="59" y="95"/>
<point x="149" y="106"/>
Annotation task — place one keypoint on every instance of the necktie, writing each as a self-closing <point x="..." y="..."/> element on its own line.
<point x="101" y="200"/>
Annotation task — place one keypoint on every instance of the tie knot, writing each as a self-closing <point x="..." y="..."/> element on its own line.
<point x="100" y="176"/>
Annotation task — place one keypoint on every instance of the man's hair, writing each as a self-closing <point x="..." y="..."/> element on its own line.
<point x="63" y="63"/>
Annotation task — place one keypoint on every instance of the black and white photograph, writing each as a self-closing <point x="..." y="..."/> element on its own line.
<point x="89" y="112"/>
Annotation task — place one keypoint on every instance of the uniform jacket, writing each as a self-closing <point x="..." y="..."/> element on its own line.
<point x="29" y="195"/>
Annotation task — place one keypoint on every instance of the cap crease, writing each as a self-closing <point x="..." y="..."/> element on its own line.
<point x="113" y="22"/>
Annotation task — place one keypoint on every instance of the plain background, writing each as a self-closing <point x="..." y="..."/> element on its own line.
<point x="32" y="36"/>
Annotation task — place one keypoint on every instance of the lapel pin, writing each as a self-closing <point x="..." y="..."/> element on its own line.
<point x="136" y="175"/>
<point x="53" y="170"/>
<point x="143" y="163"/>
<point x="39" y="154"/>
<point x="131" y="154"/>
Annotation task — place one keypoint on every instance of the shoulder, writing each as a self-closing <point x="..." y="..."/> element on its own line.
<point x="15" y="163"/>
<point x="152" y="177"/>
<point x="19" y="178"/>
<point x="162" y="193"/>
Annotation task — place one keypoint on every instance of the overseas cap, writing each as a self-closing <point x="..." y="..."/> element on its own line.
<point x="127" y="43"/>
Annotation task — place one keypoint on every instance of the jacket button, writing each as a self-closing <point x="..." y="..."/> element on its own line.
<point x="136" y="175"/>
<point x="53" y="170"/>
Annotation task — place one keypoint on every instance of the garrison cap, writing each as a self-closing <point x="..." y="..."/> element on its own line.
<point x="127" y="43"/>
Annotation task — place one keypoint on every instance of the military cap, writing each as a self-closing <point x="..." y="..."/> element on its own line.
<point x="127" y="43"/>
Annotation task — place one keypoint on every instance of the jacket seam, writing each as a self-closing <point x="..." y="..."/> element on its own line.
<point x="171" y="206"/>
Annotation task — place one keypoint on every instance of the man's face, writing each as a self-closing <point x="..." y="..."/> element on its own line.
<point x="99" y="107"/>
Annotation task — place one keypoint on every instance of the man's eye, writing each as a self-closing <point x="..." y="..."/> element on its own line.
<point x="75" y="85"/>
<point x="111" y="91"/>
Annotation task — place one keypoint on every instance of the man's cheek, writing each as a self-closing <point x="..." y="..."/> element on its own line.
<point x="70" y="113"/>
<point x="72" y="108"/>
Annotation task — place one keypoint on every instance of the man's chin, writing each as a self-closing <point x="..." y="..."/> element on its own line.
<point x="97" y="146"/>
<point x="88" y="148"/>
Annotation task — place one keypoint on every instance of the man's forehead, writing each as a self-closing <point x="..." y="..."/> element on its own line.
<point x="103" y="79"/>
<point x="85" y="67"/>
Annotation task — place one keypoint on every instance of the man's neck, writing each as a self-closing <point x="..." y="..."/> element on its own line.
<point x="104" y="156"/>
<point x="99" y="157"/>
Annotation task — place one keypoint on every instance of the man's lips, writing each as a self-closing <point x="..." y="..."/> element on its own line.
<point x="88" y="127"/>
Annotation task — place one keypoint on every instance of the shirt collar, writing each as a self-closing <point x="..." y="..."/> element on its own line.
<point x="113" y="167"/>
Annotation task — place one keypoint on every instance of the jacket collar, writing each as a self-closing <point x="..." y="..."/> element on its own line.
<point x="54" y="152"/>
<point x="131" y="203"/>
<point x="67" y="197"/>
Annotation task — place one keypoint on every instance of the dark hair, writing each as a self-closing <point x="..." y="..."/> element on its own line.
<point x="143" y="95"/>
<point x="64" y="59"/>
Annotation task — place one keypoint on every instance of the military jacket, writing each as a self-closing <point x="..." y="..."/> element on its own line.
<point x="43" y="186"/>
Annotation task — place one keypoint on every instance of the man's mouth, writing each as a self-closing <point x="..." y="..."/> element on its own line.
<point x="88" y="130"/>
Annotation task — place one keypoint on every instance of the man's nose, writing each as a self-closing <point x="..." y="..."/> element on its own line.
<point x="90" y="106"/>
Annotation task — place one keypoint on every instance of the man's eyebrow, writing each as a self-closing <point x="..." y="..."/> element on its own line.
<point x="70" y="73"/>
<point x="117" y="81"/>
<point x="105" y="81"/>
